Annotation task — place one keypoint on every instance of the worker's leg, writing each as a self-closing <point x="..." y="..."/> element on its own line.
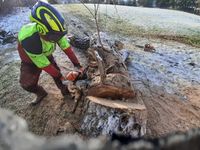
<point x="29" y="81"/>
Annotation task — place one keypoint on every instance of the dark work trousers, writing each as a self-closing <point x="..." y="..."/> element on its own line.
<point x="30" y="74"/>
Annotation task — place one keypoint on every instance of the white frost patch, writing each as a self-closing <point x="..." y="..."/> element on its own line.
<point x="170" y="21"/>
<point x="14" y="21"/>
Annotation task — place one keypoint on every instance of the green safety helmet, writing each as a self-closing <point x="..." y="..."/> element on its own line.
<point x="50" y="22"/>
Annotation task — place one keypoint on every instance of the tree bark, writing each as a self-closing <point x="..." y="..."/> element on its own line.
<point x="109" y="78"/>
<point x="103" y="116"/>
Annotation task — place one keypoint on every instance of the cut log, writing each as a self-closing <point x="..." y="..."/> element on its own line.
<point x="115" y="86"/>
<point x="106" y="117"/>
<point x="107" y="91"/>
<point x="111" y="78"/>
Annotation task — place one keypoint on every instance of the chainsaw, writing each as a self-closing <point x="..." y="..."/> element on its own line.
<point x="74" y="76"/>
<point x="74" y="89"/>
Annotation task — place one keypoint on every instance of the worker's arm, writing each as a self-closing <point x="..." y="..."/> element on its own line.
<point x="42" y="62"/>
<point x="65" y="46"/>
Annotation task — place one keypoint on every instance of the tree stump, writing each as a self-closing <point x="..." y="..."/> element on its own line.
<point x="104" y="116"/>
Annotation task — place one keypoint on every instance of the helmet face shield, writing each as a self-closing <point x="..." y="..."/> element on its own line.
<point x="54" y="36"/>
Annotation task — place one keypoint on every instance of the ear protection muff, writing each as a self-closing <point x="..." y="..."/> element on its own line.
<point x="41" y="29"/>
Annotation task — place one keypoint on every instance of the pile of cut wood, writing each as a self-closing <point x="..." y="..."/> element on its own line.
<point x="7" y="37"/>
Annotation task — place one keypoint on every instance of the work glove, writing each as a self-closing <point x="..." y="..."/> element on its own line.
<point x="80" y="74"/>
<point x="73" y="75"/>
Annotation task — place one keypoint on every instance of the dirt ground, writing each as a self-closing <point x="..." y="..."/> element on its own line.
<point x="169" y="86"/>
<point x="167" y="80"/>
<point x="167" y="112"/>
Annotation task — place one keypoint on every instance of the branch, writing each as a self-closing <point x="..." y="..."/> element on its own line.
<point x="96" y="8"/>
<point x="100" y="66"/>
<point x="87" y="9"/>
<point x="116" y="8"/>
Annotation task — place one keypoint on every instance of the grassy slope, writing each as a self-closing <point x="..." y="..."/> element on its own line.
<point x="121" y="25"/>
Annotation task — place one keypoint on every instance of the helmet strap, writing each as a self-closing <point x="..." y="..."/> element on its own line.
<point x="44" y="37"/>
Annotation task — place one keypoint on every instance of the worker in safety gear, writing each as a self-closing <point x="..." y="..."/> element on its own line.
<point x="36" y="43"/>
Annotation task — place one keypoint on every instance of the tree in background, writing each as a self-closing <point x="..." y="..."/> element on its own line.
<point x="7" y="5"/>
<point x="27" y="3"/>
<point x="52" y="1"/>
<point x="166" y="3"/>
<point x="186" y="5"/>
<point x="142" y="2"/>
<point x="3" y="5"/>
<point x="147" y="3"/>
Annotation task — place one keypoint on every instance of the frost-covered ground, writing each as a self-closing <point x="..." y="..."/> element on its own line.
<point x="14" y="21"/>
<point x="170" y="22"/>
<point x="174" y="67"/>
